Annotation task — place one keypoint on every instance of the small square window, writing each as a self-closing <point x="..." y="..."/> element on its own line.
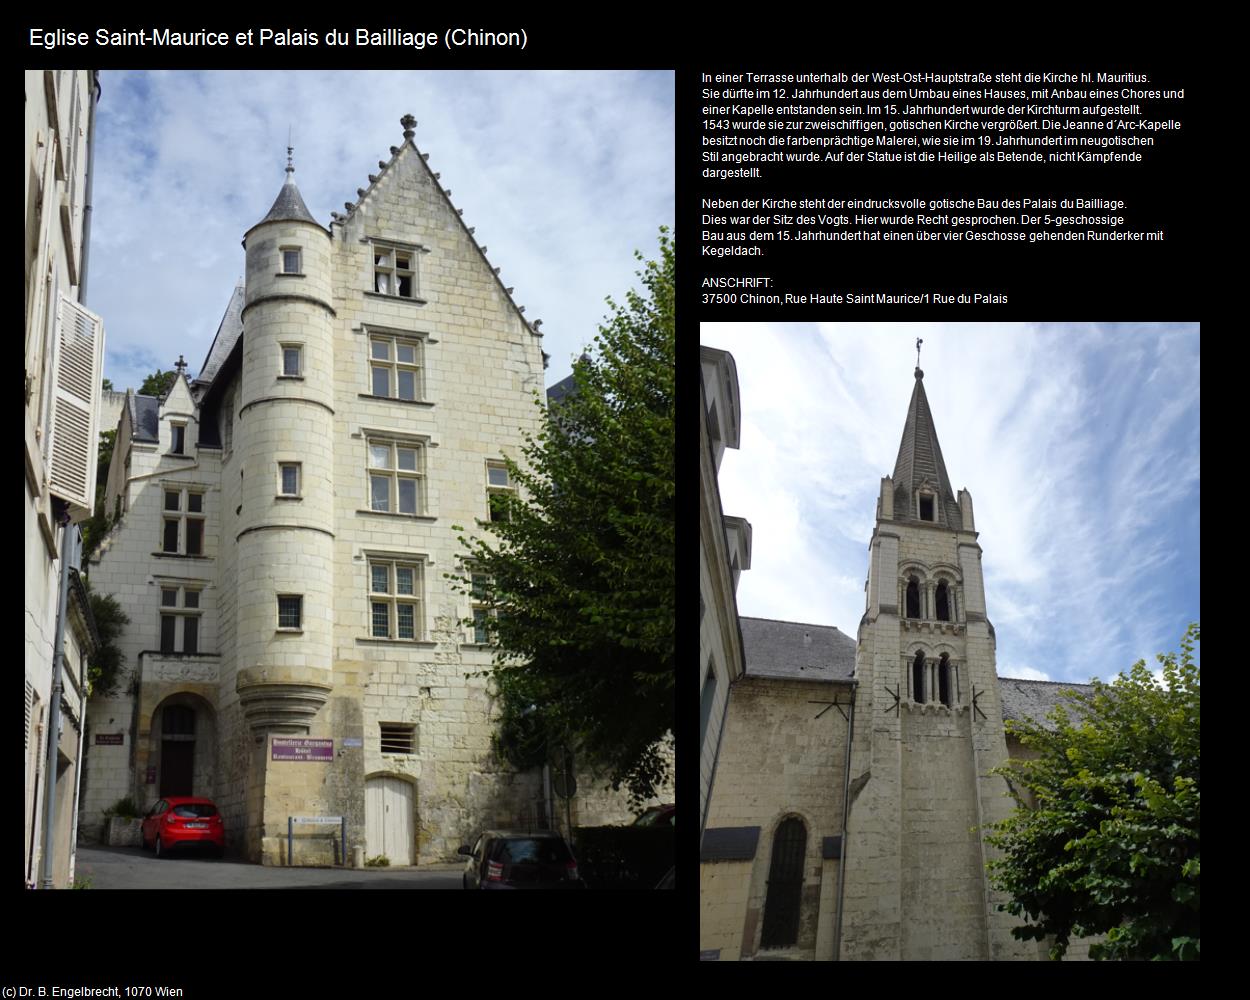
<point x="290" y="261"/>
<point x="169" y="597"/>
<point x="290" y="611"/>
<point x="292" y="361"/>
<point x="173" y="500"/>
<point x="191" y="599"/>
<point x="398" y="738"/>
<point x="195" y="502"/>
<point x="289" y="479"/>
<point x="497" y="475"/>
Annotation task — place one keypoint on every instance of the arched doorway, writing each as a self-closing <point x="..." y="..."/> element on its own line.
<point x="182" y="749"/>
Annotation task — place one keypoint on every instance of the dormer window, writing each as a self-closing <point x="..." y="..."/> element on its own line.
<point x="926" y="507"/>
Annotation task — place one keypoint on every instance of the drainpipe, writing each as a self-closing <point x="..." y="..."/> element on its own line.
<point x="846" y="806"/>
<point x="86" y="208"/>
<point x="68" y="543"/>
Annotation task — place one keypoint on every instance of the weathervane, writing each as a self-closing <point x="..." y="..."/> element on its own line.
<point x="919" y="341"/>
<point x="290" y="166"/>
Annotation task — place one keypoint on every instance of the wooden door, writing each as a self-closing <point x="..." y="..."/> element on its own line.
<point x="389" y="819"/>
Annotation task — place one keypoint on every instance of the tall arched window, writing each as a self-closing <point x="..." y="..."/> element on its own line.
<point x="913" y="598"/>
<point x="785" y="885"/>
<point x="917" y="677"/>
<point x="944" y="679"/>
<point x="942" y="602"/>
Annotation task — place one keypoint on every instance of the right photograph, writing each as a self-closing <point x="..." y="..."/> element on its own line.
<point x="949" y="607"/>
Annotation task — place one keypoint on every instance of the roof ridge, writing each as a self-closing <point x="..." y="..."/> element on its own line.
<point x="786" y="621"/>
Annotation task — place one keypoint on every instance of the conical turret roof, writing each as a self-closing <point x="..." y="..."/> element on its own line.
<point x="289" y="205"/>
<point x="920" y="460"/>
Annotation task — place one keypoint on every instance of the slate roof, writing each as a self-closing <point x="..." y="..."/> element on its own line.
<point x="144" y="417"/>
<point x="920" y="458"/>
<point x="561" y="389"/>
<point x="228" y="332"/>
<point x="289" y="205"/>
<point x="794" y="651"/>
<point x="1033" y="699"/>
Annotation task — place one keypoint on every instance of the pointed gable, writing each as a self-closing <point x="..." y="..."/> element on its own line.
<point x="404" y="158"/>
<point x="919" y="464"/>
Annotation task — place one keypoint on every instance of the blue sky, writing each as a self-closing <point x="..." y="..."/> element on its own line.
<point x="562" y="174"/>
<point x="1078" y="442"/>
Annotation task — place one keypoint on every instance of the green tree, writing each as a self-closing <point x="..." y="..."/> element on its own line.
<point x="107" y="385"/>
<point x="158" y="383"/>
<point x="578" y="565"/>
<point x="1112" y="844"/>
<point x="110" y="622"/>
<point x="97" y="526"/>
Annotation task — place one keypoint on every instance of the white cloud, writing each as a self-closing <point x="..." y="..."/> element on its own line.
<point x="1083" y="470"/>
<point x="563" y="175"/>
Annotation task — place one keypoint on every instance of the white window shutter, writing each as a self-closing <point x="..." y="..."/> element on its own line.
<point x="77" y="372"/>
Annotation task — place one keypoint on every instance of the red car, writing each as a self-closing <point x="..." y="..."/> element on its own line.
<point x="184" y="821"/>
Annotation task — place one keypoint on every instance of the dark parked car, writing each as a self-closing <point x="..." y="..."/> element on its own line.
<point x="184" y="821"/>
<point x="515" y="859"/>
<point x="657" y="816"/>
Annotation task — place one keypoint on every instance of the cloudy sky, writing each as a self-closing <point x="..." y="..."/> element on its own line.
<point x="563" y="175"/>
<point x="1078" y="443"/>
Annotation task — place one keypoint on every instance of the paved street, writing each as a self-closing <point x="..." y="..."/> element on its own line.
<point x="135" y="868"/>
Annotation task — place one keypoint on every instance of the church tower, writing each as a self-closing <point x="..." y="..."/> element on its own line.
<point x="927" y="726"/>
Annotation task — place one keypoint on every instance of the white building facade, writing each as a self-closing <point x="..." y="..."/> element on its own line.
<point x="63" y="353"/>
<point x="290" y="520"/>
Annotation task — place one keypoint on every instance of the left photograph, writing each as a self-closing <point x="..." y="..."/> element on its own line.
<point x="349" y="549"/>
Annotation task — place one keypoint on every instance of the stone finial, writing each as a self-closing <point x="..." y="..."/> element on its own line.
<point x="381" y="164"/>
<point x="373" y="178"/>
<point x="394" y="150"/>
<point x="409" y="123"/>
<point x="348" y="205"/>
<point x="360" y="192"/>
<point x="536" y="324"/>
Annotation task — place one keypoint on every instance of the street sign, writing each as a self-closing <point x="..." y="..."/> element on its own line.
<point x="110" y="739"/>
<point x="303" y="749"/>
<point x="350" y="742"/>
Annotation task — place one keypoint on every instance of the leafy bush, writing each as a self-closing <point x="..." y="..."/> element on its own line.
<point x="123" y="809"/>
<point x="381" y="861"/>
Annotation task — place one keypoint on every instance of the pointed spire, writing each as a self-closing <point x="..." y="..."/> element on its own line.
<point x="920" y="461"/>
<point x="289" y="205"/>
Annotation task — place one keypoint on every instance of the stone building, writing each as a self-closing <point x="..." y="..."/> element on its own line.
<point x="289" y="520"/>
<point x="853" y="773"/>
<point x="63" y="352"/>
<point x="724" y="552"/>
